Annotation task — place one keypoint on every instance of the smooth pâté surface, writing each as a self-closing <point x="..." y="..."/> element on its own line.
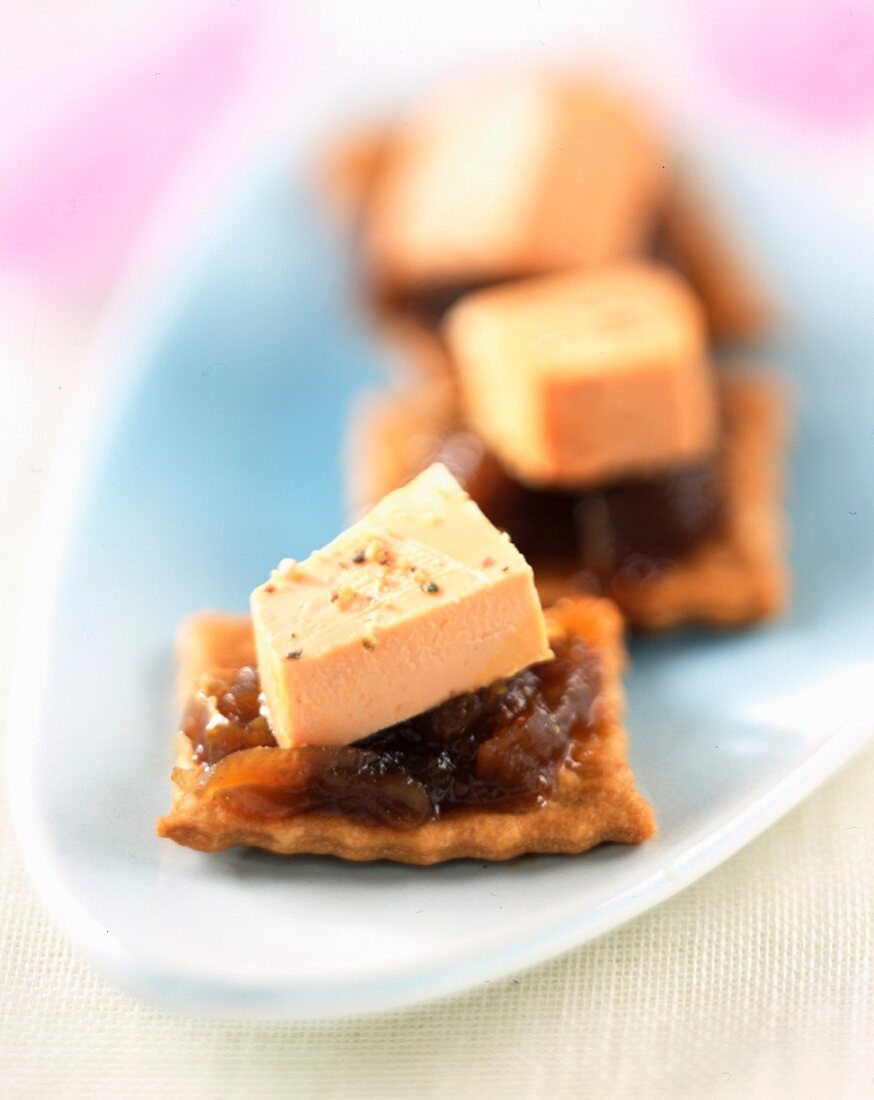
<point x="421" y="599"/>
<point x="580" y="376"/>
<point x="506" y="177"/>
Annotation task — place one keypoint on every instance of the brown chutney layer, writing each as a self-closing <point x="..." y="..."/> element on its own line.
<point x="501" y="747"/>
<point x="636" y="525"/>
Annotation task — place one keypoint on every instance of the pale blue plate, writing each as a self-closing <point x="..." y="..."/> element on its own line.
<point x="208" y="451"/>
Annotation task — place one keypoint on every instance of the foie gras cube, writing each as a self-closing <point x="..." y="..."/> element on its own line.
<point x="508" y="177"/>
<point x="420" y="600"/>
<point x="583" y="377"/>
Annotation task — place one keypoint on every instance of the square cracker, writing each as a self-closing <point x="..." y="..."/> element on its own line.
<point x="700" y="244"/>
<point x="737" y="578"/>
<point x="208" y="641"/>
<point x="594" y="803"/>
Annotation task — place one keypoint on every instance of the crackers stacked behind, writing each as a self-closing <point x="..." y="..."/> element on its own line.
<point x="507" y="177"/>
<point x="555" y="289"/>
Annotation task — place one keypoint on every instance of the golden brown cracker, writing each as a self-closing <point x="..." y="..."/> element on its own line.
<point x="393" y="436"/>
<point x="695" y="239"/>
<point x="594" y="803"/>
<point x="212" y="640"/>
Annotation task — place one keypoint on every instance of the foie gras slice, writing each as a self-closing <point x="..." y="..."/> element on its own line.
<point x="420" y="600"/>
<point x="510" y="176"/>
<point x="581" y="377"/>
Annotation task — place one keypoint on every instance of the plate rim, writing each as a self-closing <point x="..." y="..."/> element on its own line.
<point x="140" y="315"/>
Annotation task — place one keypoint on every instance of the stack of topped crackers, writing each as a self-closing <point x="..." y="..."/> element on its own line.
<point x="557" y="293"/>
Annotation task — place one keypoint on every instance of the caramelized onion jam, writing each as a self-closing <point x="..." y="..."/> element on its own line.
<point x="501" y="747"/>
<point x="631" y="528"/>
<point x="430" y="304"/>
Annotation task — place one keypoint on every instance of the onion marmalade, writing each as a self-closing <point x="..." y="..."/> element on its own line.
<point x="224" y="716"/>
<point x="430" y="304"/>
<point x="501" y="747"/>
<point x="637" y="524"/>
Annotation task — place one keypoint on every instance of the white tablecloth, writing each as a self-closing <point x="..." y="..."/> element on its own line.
<point x="756" y="982"/>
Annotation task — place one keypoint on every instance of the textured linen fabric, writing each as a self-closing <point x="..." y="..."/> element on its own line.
<point x="756" y="982"/>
